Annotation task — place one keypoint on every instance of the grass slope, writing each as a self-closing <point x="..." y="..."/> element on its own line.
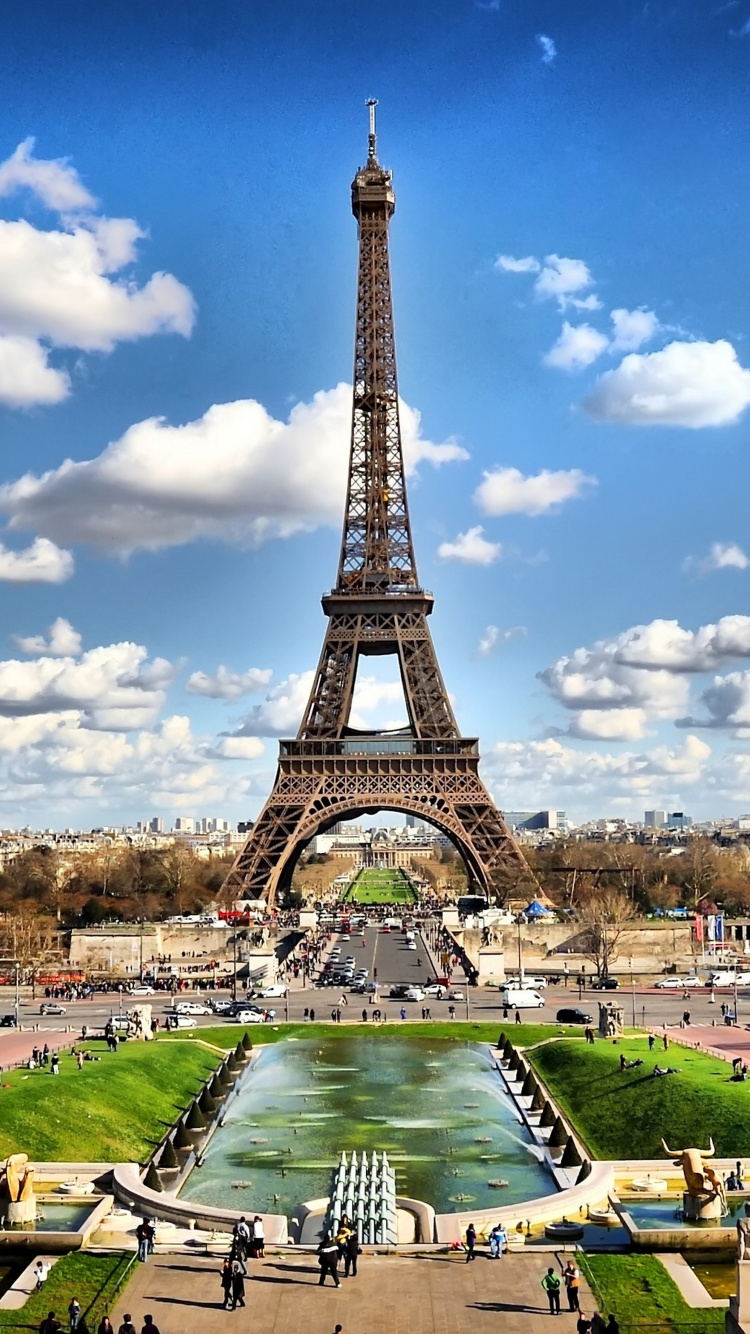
<point x="110" y="1111"/>
<point x="625" y="1115"/>
<point x="641" y="1294"/>
<point x="228" y="1035"/>
<point x="94" y="1280"/>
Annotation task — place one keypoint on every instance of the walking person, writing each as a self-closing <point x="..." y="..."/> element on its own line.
<point x="51" y="1325"/>
<point x="598" y="1325"/>
<point x="572" y="1281"/>
<point x="148" y="1325"/>
<point x="141" y="1234"/>
<point x="238" y="1286"/>
<point x="328" y="1259"/>
<point x="351" y="1252"/>
<point x="41" y="1273"/>
<point x="127" y="1326"/>
<point x="471" y="1241"/>
<point x="105" y="1326"/>
<point x="498" y="1240"/>
<point x="613" y="1326"/>
<point x="74" y="1313"/>
<point x="551" y="1285"/>
<point x="226" y="1283"/>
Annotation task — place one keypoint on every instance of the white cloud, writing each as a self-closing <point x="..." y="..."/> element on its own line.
<point x="493" y="636"/>
<point x="685" y="384"/>
<point x="577" y="346"/>
<point x="63" y="642"/>
<point x="722" y="556"/>
<point x="26" y="378"/>
<point x="41" y="563"/>
<point x="281" y="711"/>
<point x="509" y="264"/>
<point x="113" y="687"/>
<point x="542" y="774"/>
<point x="239" y="747"/>
<point x="548" y="48"/>
<point x="54" y="182"/>
<point x="561" y="277"/>
<point x="236" y="474"/>
<point x="633" y="328"/>
<point x="609" y="724"/>
<point x="65" y="285"/>
<point x="225" y="684"/>
<point x="471" y="548"/>
<point x="507" y="491"/>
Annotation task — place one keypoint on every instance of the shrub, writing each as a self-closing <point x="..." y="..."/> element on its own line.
<point x="559" y="1135"/>
<point x="548" y="1115"/>
<point x="195" y="1119"/>
<point x="152" y="1178"/>
<point x="181" y="1138"/>
<point x="530" y="1085"/>
<point x="246" y="1043"/>
<point x="168" y="1155"/>
<point x="571" y="1157"/>
<point x="584" y="1172"/>
<point x="539" y="1100"/>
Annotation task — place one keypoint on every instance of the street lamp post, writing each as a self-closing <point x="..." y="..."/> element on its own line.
<point x="632" y="989"/>
<point x="17" y="1001"/>
<point x="234" y="970"/>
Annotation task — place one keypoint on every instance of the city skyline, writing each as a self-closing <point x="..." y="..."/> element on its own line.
<point x="176" y="317"/>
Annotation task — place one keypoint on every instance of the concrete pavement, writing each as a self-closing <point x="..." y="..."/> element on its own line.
<point x="432" y="1293"/>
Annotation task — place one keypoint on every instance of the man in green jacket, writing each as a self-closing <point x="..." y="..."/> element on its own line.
<point x="551" y="1285"/>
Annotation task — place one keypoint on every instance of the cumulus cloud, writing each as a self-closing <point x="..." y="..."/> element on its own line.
<point x="281" y="712"/>
<point x="722" y="556"/>
<point x="26" y="378"/>
<point x="492" y="636"/>
<point x="507" y="491"/>
<point x="616" y="687"/>
<point x="236" y="474"/>
<point x="63" y="642"/>
<point x="239" y="747"/>
<point x="547" y="47"/>
<point x="560" y="277"/>
<point x="224" y="684"/>
<point x="541" y="774"/>
<point x="685" y="384"/>
<point x="633" y="328"/>
<point x="471" y="548"/>
<point x="41" y="563"/>
<point x="112" y="687"/>
<point x="577" y="346"/>
<point x="65" y="287"/>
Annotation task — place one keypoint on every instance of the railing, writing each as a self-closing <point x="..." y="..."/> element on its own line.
<point x="379" y="745"/>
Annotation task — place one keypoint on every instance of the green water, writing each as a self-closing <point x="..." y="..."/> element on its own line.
<point x="436" y="1108"/>
<point x="719" y="1277"/>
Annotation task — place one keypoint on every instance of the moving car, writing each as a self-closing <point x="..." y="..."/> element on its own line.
<point x="221" y="1006"/>
<point x="456" y="994"/>
<point x="604" y="984"/>
<point x="415" y="994"/>
<point x="142" y="990"/>
<point x="436" y="989"/>
<point x="172" y="1019"/>
<point x="411" y="944"/>
<point x="573" y="1016"/>
<point x="254" y="1016"/>
<point x="399" y="990"/>
<point x="51" y="1007"/>
<point x="8" y="1021"/>
<point x="276" y="989"/>
<point x="191" y="1007"/>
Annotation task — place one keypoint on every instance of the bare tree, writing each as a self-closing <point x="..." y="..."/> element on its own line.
<point x="604" y="919"/>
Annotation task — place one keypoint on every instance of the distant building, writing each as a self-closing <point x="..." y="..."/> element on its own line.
<point x="679" y="821"/>
<point x="655" y="819"/>
<point x="156" y="824"/>
<point x="534" y="819"/>
<point x="184" y="824"/>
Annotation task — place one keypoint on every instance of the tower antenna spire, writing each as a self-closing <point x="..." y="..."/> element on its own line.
<point x="372" y="155"/>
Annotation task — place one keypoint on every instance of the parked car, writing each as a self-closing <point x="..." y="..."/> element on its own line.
<point x="51" y="1007"/>
<point x="174" y="1020"/>
<point x="519" y="999"/>
<point x="670" y="984"/>
<point x="604" y="984"/>
<point x="692" y="981"/>
<point x="7" y="1021"/>
<point x="574" y="1016"/>
<point x="191" y="1007"/>
<point x="276" y="989"/>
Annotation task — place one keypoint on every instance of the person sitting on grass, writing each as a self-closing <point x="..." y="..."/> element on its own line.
<point x="670" y="1070"/>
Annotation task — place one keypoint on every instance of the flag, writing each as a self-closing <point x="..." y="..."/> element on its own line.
<point x="719" y="928"/>
<point x="711" y="927"/>
<point x="698" y="926"/>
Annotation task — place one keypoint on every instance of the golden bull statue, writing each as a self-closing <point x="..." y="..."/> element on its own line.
<point x="700" y="1179"/>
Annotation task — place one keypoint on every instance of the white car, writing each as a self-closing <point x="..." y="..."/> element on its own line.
<point x="459" y="995"/>
<point x="692" y="981"/>
<point x="435" y="989"/>
<point x="669" y="984"/>
<point x="176" y="1020"/>
<point x="411" y="944"/>
<point x="142" y="990"/>
<point x="192" y="1007"/>
<point x="277" y="989"/>
<point x="253" y="1016"/>
<point x="415" y="994"/>
<point x="535" y="983"/>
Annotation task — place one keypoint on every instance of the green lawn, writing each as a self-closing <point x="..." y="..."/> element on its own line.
<point x="114" y="1110"/>
<point x="625" y="1115"/>
<point x="373" y="886"/>
<point x="95" y="1280"/>
<point x="637" y="1289"/>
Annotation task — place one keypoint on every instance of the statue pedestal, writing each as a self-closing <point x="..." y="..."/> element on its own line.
<point x="697" y="1208"/>
<point x="21" y="1211"/>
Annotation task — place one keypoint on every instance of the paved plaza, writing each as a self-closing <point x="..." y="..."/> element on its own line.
<point x="431" y="1293"/>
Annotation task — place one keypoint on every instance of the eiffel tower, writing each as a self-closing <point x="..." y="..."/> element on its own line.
<point x="332" y="771"/>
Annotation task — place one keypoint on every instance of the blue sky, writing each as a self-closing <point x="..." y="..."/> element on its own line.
<point x="177" y="270"/>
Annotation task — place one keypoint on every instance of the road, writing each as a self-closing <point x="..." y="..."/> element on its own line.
<point x="386" y="953"/>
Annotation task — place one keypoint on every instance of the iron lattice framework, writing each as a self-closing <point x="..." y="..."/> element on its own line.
<point x="332" y="772"/>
